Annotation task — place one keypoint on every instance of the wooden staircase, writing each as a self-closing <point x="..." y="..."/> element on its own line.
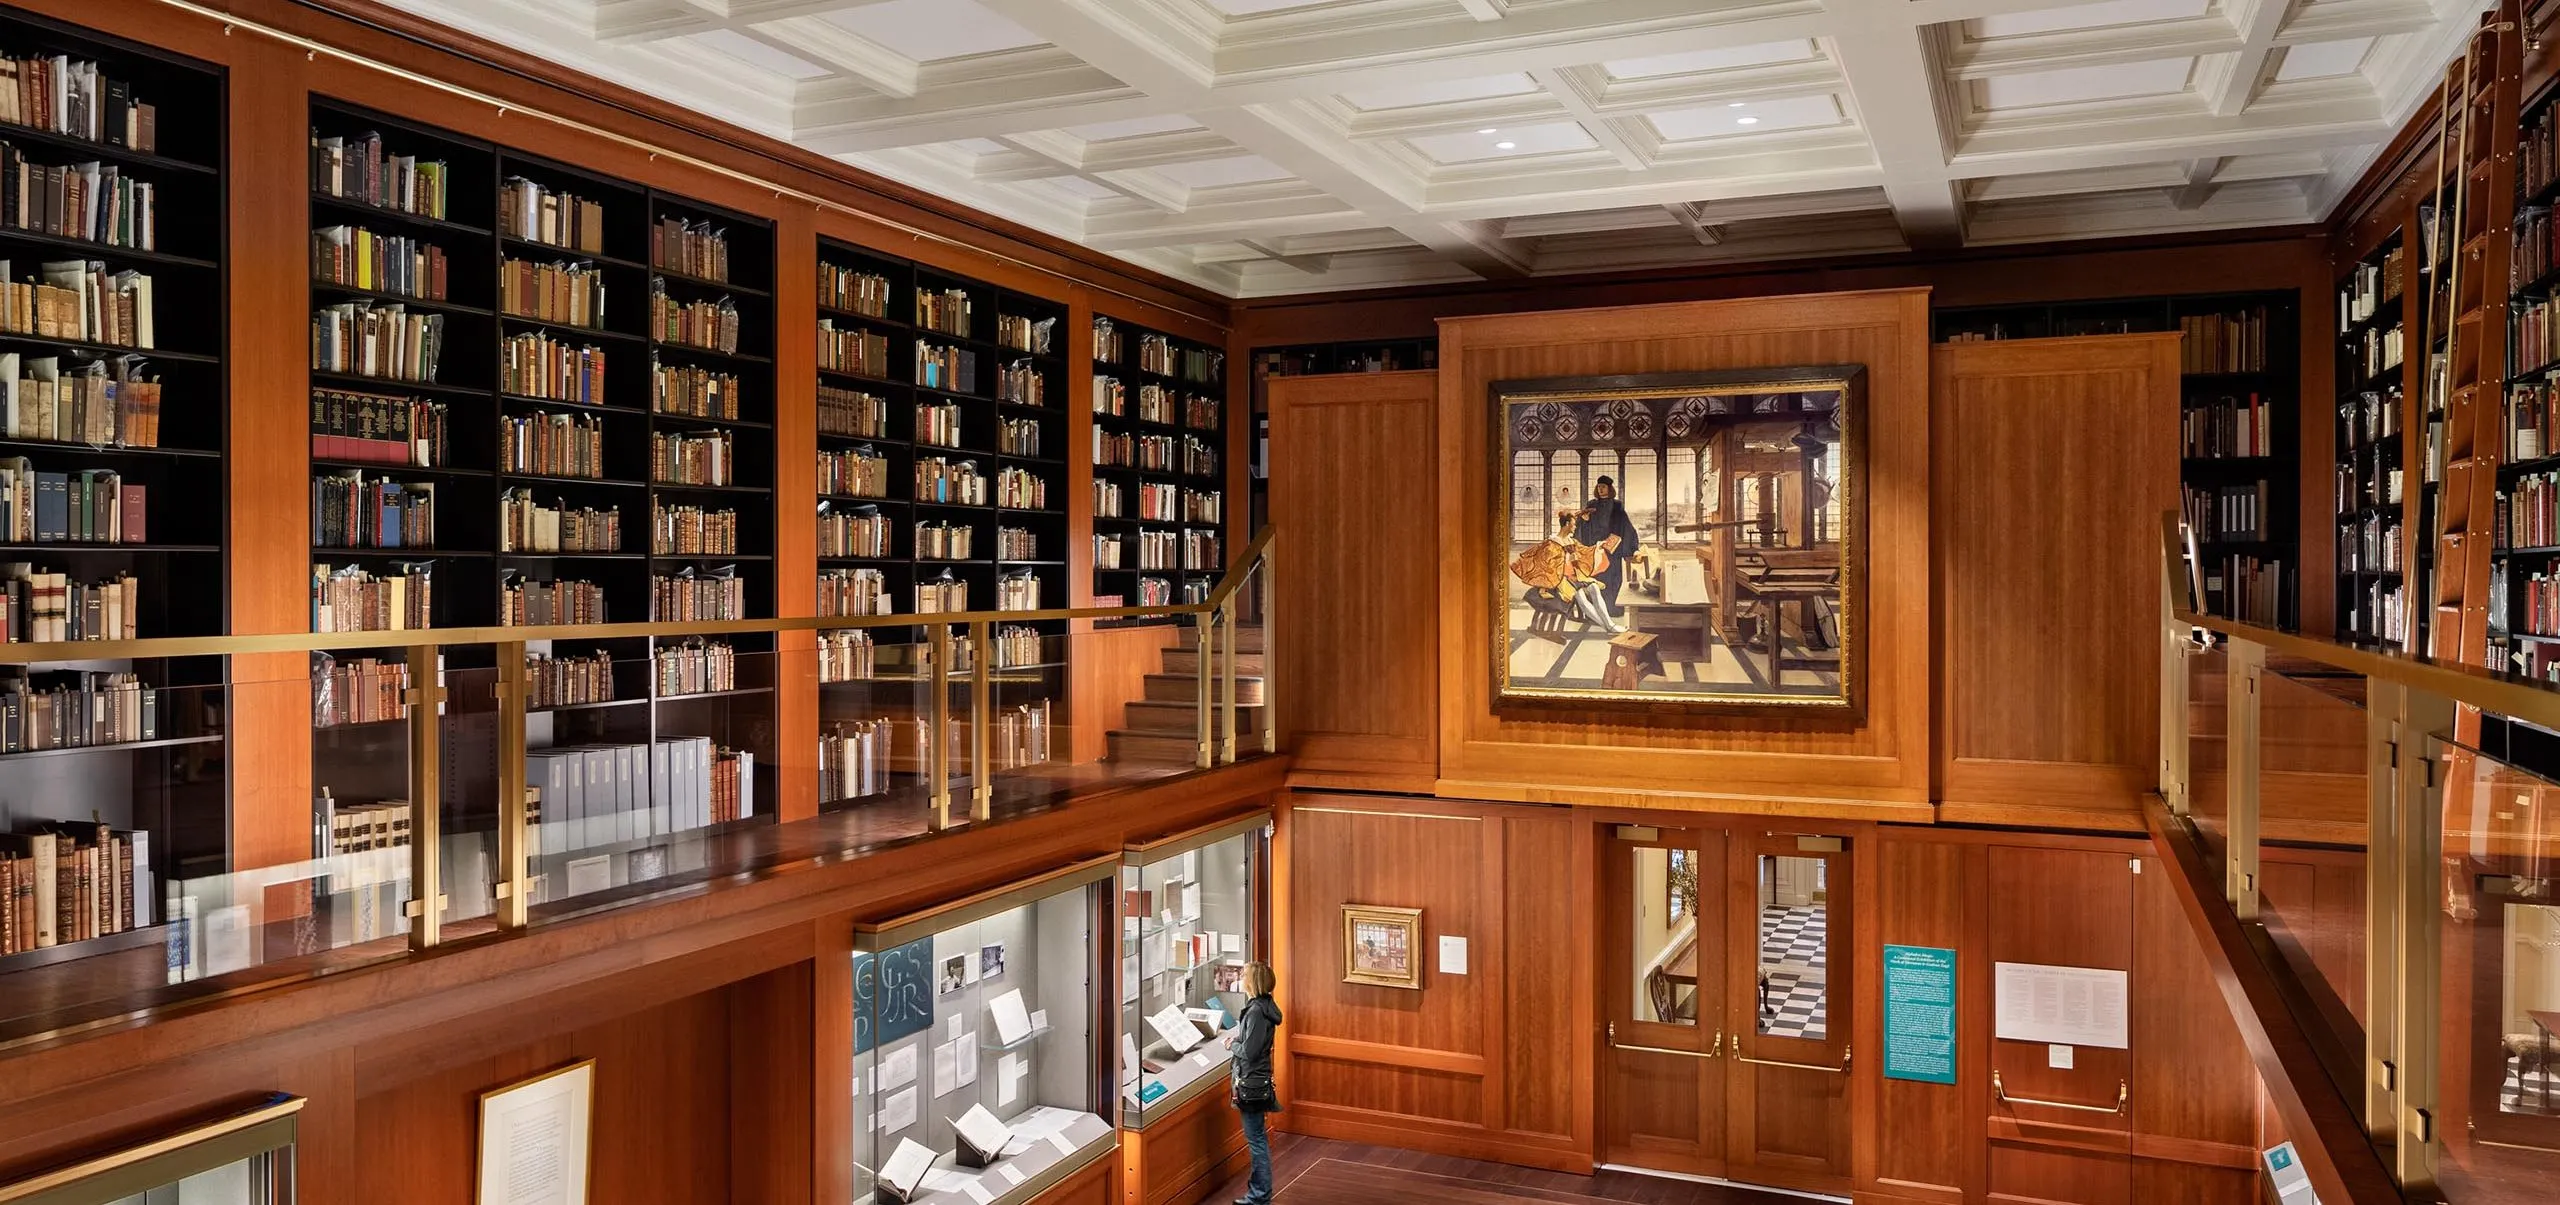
<point x="1164" y="726"/>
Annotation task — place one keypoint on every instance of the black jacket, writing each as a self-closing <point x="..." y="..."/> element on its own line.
<point x="1252" y="1052"/>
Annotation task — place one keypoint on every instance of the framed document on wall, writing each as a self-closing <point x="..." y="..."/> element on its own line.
<point x="534" y="1138"/>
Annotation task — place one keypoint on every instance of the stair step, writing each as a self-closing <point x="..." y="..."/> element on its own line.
<point x="1184" y="688"/>
<point x="1186" y="661"/>
<point x="1185" y="717"/>
<point x="1153" y="746"/>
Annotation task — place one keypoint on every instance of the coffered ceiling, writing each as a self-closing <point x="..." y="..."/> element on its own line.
<point x="1262" y="147"/>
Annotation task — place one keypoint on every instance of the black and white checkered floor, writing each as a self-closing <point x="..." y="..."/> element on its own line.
<point x="2526" y="1093"/>
<point x="1793" y="949"/>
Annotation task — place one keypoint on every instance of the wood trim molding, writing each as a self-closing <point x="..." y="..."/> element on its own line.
<point x="1419" y="1058"/>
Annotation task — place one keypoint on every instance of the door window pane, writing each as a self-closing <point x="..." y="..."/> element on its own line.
<point x="1795" y="948"/>
<point x="2530" y="1049"/>
<point x="1665" y="909"/>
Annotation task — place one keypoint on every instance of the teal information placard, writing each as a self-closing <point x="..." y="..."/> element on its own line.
<point x="1920" y="1014"/>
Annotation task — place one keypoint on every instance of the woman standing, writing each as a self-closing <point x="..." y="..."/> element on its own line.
<point x="1255" y="1095"/>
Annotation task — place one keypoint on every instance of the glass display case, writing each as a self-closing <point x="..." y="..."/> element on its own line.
<point x="978" y="1029"/>
<point x="243" y="1159"/>
<point x="1190" y="919"/>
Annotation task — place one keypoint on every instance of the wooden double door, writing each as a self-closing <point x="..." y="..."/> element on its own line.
<point x="1727" y="999"/>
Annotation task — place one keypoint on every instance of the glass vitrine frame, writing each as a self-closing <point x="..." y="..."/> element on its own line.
<point x="1151" y="1092"/>
<point x="261" y="1137"/>
<point x="1037" y="909"/>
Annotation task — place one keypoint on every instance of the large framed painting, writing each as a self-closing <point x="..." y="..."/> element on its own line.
<point x="1681" y="538"/>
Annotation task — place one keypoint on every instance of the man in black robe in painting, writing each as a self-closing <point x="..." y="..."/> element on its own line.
<point x="1603" y="523"/>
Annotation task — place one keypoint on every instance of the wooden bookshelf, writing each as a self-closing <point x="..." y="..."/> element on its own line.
<point x="720" y="391"/>
<point x="2370" y="498"/>
<point x="2526" y="563"/>
<point x="1317" y="359"/>
<point x="2241" y="425"/>
<point x="170" y="784"/>
<point x="1154" y="390"/>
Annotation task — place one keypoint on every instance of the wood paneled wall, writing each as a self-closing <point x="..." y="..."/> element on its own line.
<point x="1501" y="1063"/>
<point x="1877" y="767"/>
<point x="1358" y="669"/>
<point x="2055" y="459"/>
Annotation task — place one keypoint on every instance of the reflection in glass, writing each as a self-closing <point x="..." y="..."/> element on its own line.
<point x="1186" y="933"/>
<point x="1795" y="948"/>
<point x="2530" y="1048"/>
<point x="1666" y="935"/>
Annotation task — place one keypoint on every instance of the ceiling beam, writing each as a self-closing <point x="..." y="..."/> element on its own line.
<point x="2200" y="186"/>
<point x="1894" y="78"/>
<point x="1486" y="10"/>
<point x="2229" y="82"/>
<point x="1601" y="129"/>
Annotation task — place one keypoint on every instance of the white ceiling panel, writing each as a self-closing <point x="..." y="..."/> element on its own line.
<point x="1258" y="147"/>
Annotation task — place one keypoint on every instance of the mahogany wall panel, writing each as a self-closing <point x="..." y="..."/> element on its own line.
<point x="1183" y="1156"/>
<point x="1926" y="1135"/>
<point x="2053" y="462"/>
<point x="1358" y="660"/>
<point x="2196" y="1090"/>
<point x="1877" y="767"/>
<point x="2059" y="907"/>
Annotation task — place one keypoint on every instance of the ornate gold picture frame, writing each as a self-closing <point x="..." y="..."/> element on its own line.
<point x="1693" y="539"/>
<point x="1382" y="947"/>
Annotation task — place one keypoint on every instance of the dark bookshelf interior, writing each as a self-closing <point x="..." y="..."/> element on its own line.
<point x="2242" y="493"/>
<point x="1163" y="517"/>
<point x="2524" y="567"/>
<point x="167" y="785"/>
<point x="624" y="412"/>
<point x="922" y="369"/>
<point x="2372" y="448"/>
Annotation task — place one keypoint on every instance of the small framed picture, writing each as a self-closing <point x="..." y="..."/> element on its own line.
<point x="533" y="1139"/>
<point x="955" y="974"/>
<point x="1379" y="944"/>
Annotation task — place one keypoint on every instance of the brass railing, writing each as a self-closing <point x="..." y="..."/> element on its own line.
<point x="2416" y="714"/>
<point x="1243" y="594"/>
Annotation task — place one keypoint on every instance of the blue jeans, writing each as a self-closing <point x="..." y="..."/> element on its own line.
<point x="1257" y="1142"/>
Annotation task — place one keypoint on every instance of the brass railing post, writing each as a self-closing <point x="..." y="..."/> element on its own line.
<point x="937" y="737"/>
<point x="2416" y="954"/>
<point x="2386" y="736"/>
<point x="1227" y="682"/>
<point x="1270" y="698"/>
<point x="513" y="888"/>
<point x="982" y="784"/>
<point x="1205" y="632"/>
<point x="2247" y="661"/>
<point x="2175" y="724"/>
<point x="426" y="799"/>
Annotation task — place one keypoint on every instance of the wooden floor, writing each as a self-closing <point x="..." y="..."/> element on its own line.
<point x="1316" y="1171"/>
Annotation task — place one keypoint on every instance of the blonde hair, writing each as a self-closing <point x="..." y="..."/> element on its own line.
<point x="1258" y="979"/>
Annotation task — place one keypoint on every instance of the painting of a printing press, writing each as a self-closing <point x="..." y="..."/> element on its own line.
<point x="1690" y="538"/>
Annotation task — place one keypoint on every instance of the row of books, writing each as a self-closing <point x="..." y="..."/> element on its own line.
<point x="566" y="293"/>
<point x="1018" y="437"/>
<point x="1017" y="592"/>
<point x="692" y="531"/>
<point x="1021" y="489"/>
<point x="552" y="680"/>
<point x="1022" y="383"/>
<point x="2368" y="477"/>
<point x="64" y="882"/>
<point x="950" y="369"/>
<point x="1198" y="365"/>
<point x="1017" y="544"/>
<point x="359" y="169"/>
<point x="1110" y="499"/>
<point x="941" y="595"/>
<point x="938" y="540"/>
<point x="67" y="709"/>
<point x="379" y="428"/>
<point x="2378" y="350"/>
<point x="354" y="510"/>
<point x="938" y="423"/>
<point x="90" y="506"/>
<point x="529" y="211"/>
<point x="847" y="592"/>
<point x="525" y="525"/>
<point x="526" y="603"/>
<point x="1109" y="551"/>
<point x="2228" y="428"/>
<point x="553" y="444"/>
<point x="597" y="795"/>
<point x="2537" y="248"/>
<point x="2370" y="545"/>
<point x="2537" y="336"/>
<point x="79" y="299"/>
<point x="2538" y="152"/>
<point x="953" y="482"/>
<point x="687" y="597"/>
<point x="366" y="690"/>
<point x="2535" y="610"/>
<point x="371" y="339"/>
<point x="861" y="472"/>
<point x="695" y="667"/>
<point x="697" y="392"/>
<point x="853" y="755"/>
<point x="1107" y="347"/>
<point x="2230" y="512"/>
<point x="2529" y="511"/>
<point x="2223" y="342"/>
<point x="38" y="605"/>
<point x="944" y="311"/>
<point x="852" y="350"/>
<point x="853" y="290"/>
<point x="73" y="97"/>
<point x="696" y="249"/>
<point x="846" y="655"/>
<point x="96" y="202"/>
<point x="693" y="458"/>
<point x="706" y="324"/>
<point x="2369" y="417"/>
<point x="1159" y="502"/>
<point x="1016" y="332"/>
<point x="354" y="257"/>
<point x="352" y="598"/>
<point x="2533" y="416"/>
<point x="856" y="533"/>
<point x="2369" y="287"/>
<point x="852" y="413"/>
<point x="340" y="829"/>
<point x="533" y="364"/>
<point x="108" y="402"/>
<point x="2380" y="612"/>
<point x="2247" y="588"/>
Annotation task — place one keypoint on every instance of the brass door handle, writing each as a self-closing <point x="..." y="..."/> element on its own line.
<point x="1711" y="1051"/>
<point x="2002" y="1095"/>
<point x="1842" y="1069"/>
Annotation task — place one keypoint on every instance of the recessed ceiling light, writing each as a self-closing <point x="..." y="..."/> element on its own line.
<point x="1746" y="121"/>
<point x="1504" y="146"/>
<point x="1486" y="130"/>
<point x="1737" y="104"/>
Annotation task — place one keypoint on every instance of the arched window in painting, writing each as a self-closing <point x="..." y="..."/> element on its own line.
<point x="1529" y="485"/>
<point x="1566" y="486"/>
<point x="1641" y="488"/>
